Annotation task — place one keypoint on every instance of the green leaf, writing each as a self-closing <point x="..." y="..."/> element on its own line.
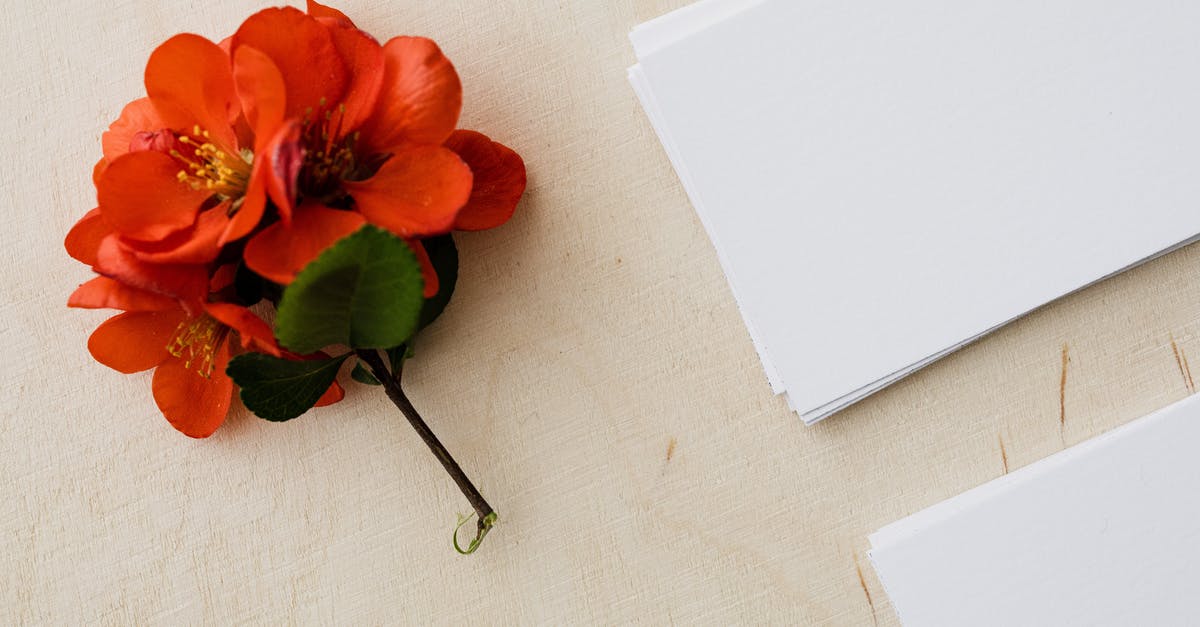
<point x="363" y="375"/>
<point x="397" y="355"/>
<point x="444" y="256"/>
<point x="364" y="291"/>
<point x="281" y="389"/>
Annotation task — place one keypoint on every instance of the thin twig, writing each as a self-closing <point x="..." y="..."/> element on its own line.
<point x="484" y="512"/>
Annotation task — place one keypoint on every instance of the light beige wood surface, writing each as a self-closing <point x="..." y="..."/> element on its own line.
<point x="592" y="374"/>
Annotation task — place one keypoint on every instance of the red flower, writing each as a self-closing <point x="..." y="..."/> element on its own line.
<point x="307" y="111"/>
<point x="188" y="354"/>
<point x="188" y="350"/>
<point x="175" y="181"/>
<point x="176" y="152"/>
<point x="361" y="133"/>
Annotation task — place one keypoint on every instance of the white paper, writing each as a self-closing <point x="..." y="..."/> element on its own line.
<point x="887" y="181"/>
<point x="1104" y="533"/>
<point x="668" y="29"/>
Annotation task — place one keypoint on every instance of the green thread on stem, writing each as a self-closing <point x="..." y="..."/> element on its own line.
<point x="485" y="526"/>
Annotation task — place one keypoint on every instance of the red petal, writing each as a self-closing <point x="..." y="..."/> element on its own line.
<point x="188" y="283"/>
<point x="428" y="272"/>
<point x="163" y="140"/>
<point x="279" y="252"/>
<point x="276" y="169"/>
<point x="141" y="197"/>
<point x="199" y="244"/>
<point x="98" y="170"/>
<point x="364" y="61"/>
<point x="255" y="334"/>
<point x="334" y="394"/>
<point x="303" y="50"/>
<point x="223" y="277"/>
<point x="284" y="158"/>
<point x="135" y="341"/>
<point x="420" y="101"/>
<point x="499" y="180"/>
<point x="193" y="404"/>
<point x="105" y="293"/>
<point x="83" y="240"/>
<point x="254" y="203"/>
<point x="241" y="128"/>
<point x="137" y="117"/>
<point x="416" y="193"/>
<point x="317" y="9"/>
<point x="262" y="92"/>
<point x="190" y="81"/>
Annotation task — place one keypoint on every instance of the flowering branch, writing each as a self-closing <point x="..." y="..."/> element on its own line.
<point x="299" y="163"/>
<point x="391" y="384"/>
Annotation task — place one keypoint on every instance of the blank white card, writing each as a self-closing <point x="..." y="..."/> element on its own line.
<point x="1104" y="533"/>
<point x="886" y="181"/>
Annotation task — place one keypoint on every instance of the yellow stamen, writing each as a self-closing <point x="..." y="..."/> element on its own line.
<point x="196" y="341"/>
<point x="209" y="167"/>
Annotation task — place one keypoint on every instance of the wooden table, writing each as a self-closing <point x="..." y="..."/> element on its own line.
<point x="592" y="374"/>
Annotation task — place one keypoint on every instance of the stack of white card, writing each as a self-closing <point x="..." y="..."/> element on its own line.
<point x="1104" y="533"/>
<point x="885" y="182"/>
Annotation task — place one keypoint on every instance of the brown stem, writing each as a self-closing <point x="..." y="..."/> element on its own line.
<point x="391" y="385"/>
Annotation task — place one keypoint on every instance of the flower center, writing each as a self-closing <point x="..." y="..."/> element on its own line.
<point x="328" y="154"/>
<point x="210" y="167"/>
<point x="196" y="342"/>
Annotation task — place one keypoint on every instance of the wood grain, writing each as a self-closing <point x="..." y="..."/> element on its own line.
<point x="593" y="375"/>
